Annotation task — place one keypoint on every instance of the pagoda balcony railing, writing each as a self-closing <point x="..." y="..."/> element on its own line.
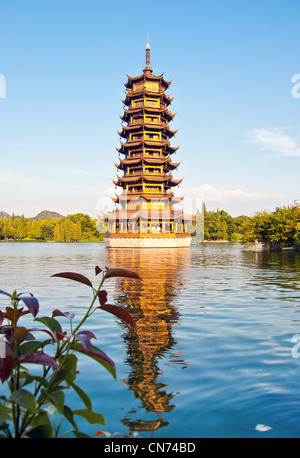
<point x="148" y="235"/>
<point x="141" y="154"/>
<point x="146" y="172"/>
<point x="147" y="103"/>
<point x="138" y="194"/>
<point x="141" y="122"/>
<point x="149" y="192"/>
<point x="134" y="172"/>
<point x="147" y="138"/>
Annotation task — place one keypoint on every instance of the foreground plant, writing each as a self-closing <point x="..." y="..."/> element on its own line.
<point x="35" y="405"/>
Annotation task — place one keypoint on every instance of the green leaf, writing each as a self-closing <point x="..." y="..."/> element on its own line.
<point x="41" y="431"/>
<point x="40" y="426"/>
<point x="68" y="414"/>
<point x="51" y="323"/>
<point x="92" y="417"/>
<point x="98" y="355"/>
<point x="24" y="399"/>
<point x="58" y="399"/>
<point x="62" y="376"/>
<point x="83" y="396"/>
<point x="26" y="379"/>
<point x="41" y="380"/>
<point x="21" y="333"/>
<point x="33" y="345"/>
<point x="80" y="435"/>
<point x="4" y="413"/>
<point x="70" y="365"/>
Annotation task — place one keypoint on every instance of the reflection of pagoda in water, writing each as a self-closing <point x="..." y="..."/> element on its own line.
<point x="146" y="217"/>
<point x="150" y="303"/>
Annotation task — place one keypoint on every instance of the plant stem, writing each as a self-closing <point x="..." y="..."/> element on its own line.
<point x="91" y="306"/>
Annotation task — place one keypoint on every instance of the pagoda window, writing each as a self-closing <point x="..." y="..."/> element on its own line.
<point x="152" y="136"/>
<point x="152" y="119"/>
<point x="134" y="189"/>
<point x="153" y="188"/>
<point x="137" y="103"/>
<point x="152" y="153"/>
<point x="136" y="120"/>
<point x="153" y="169"/>
<point x="135" y="170"/>
<point x="137" y="153"/>
<point x="138" y="87"/>
<point x="135" y="137"/>
<point x="153" y="87"/>
<point x="152" y="103"/>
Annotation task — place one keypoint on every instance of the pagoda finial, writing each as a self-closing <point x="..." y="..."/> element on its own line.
<point x="147" y="68"/>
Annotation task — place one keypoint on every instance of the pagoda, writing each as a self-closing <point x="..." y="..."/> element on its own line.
<point x="145" y="214"/>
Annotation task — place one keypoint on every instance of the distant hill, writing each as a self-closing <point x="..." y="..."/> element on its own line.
<point x="4" y="215"/>
<point x="46" y="214"/>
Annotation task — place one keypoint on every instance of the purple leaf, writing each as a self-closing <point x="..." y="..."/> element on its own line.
<point x="121" y="273"/>
<point x="10" y="314"/>
<point x="32" y="304"/>
<point x="9" y="334"/>
<point x="102" y="295"/>
<point x="4" y="292"/>
<point x="38" y="358"/>
<point x="100" y="357"/>
<point x="74" y="276"/>
<point x="97" y="270"/>
<point x="6" y="361"/>
<point x="84" y="338"/>
<point x="89" y="334"/>
<point x="60" y="335"/>
<point x="118" y="312"/>
<point x="68" y="315"/>
<point x="44" y="330"/>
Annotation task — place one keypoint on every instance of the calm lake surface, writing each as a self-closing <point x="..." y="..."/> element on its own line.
<point x="211" y="355"/>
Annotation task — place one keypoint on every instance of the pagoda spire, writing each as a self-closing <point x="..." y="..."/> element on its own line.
<point x="147" y="69"/>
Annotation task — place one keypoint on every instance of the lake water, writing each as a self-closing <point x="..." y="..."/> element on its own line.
<point x="213" y="352"/>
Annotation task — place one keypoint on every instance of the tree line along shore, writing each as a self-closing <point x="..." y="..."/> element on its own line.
<point x="276" y="230"/>
<point x="50" y="227"/>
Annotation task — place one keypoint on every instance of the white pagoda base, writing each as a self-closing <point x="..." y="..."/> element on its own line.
<point x="147" y="240"/>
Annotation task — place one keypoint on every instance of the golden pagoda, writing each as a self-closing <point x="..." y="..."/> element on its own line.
<point x="146" y="216"/>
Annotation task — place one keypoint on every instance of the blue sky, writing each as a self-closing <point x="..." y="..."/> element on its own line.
<point x="231" y="64"/>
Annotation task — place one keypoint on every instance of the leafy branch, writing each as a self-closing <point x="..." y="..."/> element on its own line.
<point x="35" y="401"/>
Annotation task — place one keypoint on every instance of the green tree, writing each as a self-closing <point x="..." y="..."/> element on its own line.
<point x="47" y="229"/>
<point x="21" y="231"/>
<point x="277" y="229"/>
<point x="8" y="230"/>
<point x="57" y="235"/>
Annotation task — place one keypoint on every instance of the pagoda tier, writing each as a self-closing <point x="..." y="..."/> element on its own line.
<point x="144" y="111"/>
<point x="137" y="128"/>
<point x="144" y="160"/>
<point x="147" y="179"/>
<point x="147" y="147"/>
<point x="170" y="199"/>
<point x="144" y="77"/>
